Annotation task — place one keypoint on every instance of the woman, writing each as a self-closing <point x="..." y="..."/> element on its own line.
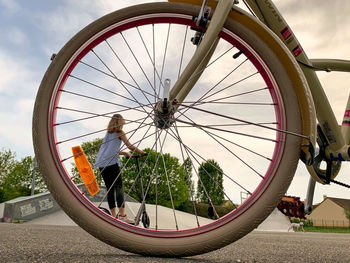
<point x="108" y="162"/>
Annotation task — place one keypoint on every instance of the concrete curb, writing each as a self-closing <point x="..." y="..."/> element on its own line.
<point x="27" y="208"/>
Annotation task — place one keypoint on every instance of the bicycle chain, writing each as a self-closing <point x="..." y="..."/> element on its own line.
<point x="336" y="182"/>
<point x="340" y="183"/>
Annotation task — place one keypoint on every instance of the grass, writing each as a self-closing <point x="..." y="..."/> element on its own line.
<point x="320" y="229"/>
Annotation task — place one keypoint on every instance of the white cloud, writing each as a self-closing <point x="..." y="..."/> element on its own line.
<point x="11" y="6"/>
<point x="63" y="23"/>
<point x="8" y="71"/>
<point x="16" y="73"/>
<point x="70" y="17"/>
<point x="16" y="36"/>
<point x="17" y="93"/>
<point x="16" y="128"/>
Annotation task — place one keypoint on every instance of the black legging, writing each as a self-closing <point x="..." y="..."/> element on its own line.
<point x="109" y="175"/>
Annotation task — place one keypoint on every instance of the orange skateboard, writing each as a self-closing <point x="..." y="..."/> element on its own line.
<point x="85" y="171"/>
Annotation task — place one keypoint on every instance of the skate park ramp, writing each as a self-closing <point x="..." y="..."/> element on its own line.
<point x="276" y="221"/>
<point x="166" y="218"/>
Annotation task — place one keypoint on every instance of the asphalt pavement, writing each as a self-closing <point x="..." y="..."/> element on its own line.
<point x="47" y="243"/>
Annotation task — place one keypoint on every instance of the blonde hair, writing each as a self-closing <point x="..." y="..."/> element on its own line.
<point x="115" y="124"/>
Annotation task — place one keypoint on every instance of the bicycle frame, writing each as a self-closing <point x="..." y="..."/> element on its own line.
<point x="338" y="139"/>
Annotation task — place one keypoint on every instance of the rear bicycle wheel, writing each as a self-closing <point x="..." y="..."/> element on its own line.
<point x="227" y="139"/>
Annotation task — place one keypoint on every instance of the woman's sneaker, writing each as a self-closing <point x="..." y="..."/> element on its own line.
<point x="126" y="219"/>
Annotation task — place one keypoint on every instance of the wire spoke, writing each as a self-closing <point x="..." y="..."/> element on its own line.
<point x="189" y="182"/>
<point x="154" y="62"/>
<point x="220" y="100"/>
<point x="138" y="63"/>
<point x="127" y="90"/>
<point x="219" y="82"/>
<point x="203" y="97"/>
<point x="202" y="184"/>
<point x="128" y="71"/>
<point x="156" y="186"/>
<point x="105" y="101"/>
<point x="155" y="72"/>
<point x="216" y="183"/>
<point x="107" y="90"/>
<point x="229" y="86"/>
<point x="164" y="58"/>
<point x="116" y="78"/>
<point x="182" y="52"/>
<point x="80" y="136"/>
<point x="210" y="64"/>
<point x="193" y="124"/>
<point x="203" y="159"/>
<point x="225" y="125"/>
<point x="238" y="145"/>
<point x="94" y="115"/>
<point x="230" y="151"/>
<point x="231" y="103"/>
<point x="249" y="122"/>
<point x="168" y="183"/>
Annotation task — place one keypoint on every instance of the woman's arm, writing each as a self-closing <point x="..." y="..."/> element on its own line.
<point x="132" y="147"/>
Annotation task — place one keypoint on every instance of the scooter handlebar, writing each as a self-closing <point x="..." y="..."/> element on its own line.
<point x="135" y="156"/>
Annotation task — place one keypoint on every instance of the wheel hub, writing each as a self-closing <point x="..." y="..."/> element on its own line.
<point x="164" y="114"/>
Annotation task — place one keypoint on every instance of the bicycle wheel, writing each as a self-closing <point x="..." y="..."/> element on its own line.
<point x="227" y="139"/>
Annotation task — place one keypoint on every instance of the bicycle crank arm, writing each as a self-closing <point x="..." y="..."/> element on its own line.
<point x="203" y="53"/>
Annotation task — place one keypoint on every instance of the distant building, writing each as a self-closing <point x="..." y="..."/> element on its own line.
<point x="331" y="212"/>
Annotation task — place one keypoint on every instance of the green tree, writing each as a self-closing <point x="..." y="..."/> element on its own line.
<point x="16" y="176"/>
<point x="187" y="166"/>
<point x="7" y="162"/>
<point x="188" y="206"/>
<point x="174" y="178"/>
<point x="210" y="183"/>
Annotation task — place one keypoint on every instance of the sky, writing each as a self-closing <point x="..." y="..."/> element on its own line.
<point x="32" y="30"/>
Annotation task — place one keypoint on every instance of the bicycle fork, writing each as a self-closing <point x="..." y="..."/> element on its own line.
<point x="205" y="50"/>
